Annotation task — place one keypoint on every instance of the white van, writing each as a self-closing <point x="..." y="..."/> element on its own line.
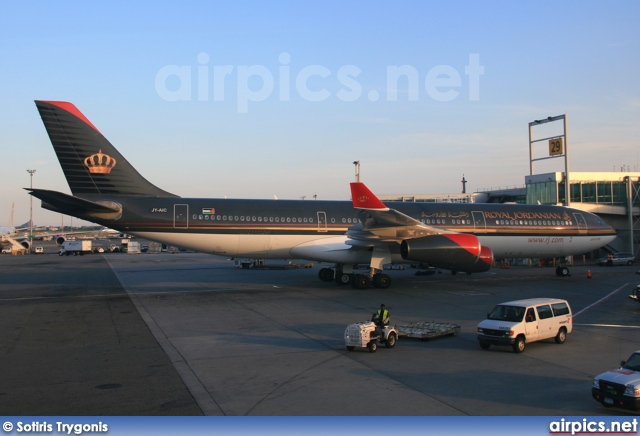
<point x="518" y="322"/>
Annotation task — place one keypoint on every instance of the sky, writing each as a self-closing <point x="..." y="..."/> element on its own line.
<point x="252" y="99"/>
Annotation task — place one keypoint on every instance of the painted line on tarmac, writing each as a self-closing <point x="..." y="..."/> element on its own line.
<point x="205" y="401"/>
<point x="601" y="300"/>
<point x="611" y="325"/>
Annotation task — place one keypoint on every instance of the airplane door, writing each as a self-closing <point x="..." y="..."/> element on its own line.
<point x="582" y="224"/>
<point x="322" y="221"/>
<point x="180" y="215"/>
<point x="479" y="222"/>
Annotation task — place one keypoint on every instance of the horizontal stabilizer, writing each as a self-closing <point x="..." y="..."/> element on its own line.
<point x="71" y="205"/>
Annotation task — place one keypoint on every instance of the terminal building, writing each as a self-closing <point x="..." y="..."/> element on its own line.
<point x="614" y="196"/>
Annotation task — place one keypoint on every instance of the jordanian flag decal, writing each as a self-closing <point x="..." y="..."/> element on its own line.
<point x="210" y="211"/>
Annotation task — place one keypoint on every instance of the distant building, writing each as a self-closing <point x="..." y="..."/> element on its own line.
<point x="614" y="196"/>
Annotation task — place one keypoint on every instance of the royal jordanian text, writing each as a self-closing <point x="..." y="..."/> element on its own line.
<point x="60" y="427"/>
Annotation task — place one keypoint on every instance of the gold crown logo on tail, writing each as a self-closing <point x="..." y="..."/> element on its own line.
<point x="100" y="163"/>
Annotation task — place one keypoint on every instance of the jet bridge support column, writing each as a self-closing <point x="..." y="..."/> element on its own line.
<point x="633" y="197"/>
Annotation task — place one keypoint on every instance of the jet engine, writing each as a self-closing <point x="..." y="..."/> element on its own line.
<point x="60" y="240"/>
<point x="455" y="251"/>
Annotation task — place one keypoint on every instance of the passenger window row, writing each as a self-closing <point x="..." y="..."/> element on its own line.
<point x="203" y="217"/>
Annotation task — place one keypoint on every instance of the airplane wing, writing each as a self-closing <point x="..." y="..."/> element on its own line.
<point x="384" y="230"/>
<point x="384" y="223"/>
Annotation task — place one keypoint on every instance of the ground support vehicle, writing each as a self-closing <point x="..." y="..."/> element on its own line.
<point x="427" y="330"/>
<point x="367" y="335"/>
<point x="516" y="323"/>
<point x="617" y="259"/>
<point x="79" y="247"/>
<point x="619" y="387"/>
<point x="133" y="247"/>
<point x="635" y="295"/>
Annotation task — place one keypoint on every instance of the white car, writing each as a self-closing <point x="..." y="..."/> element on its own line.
<point x="619" y="387"/>
<point x="617" y="259"/>
<point x="6" y="250"/>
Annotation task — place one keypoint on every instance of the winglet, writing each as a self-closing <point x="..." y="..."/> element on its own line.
<point x="363" y="198"/>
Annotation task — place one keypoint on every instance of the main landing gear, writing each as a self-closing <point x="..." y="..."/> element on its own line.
<point x="357" y="281"/>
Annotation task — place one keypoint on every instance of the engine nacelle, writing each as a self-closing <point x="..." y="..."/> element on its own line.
<point x="455" y="251"/>
<point x="26" y="244"/>
<point x="60" y="240"/>
<point x="484" y="262"/>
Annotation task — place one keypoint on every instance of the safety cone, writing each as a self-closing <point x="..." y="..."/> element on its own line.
<point x="588" y="273"/>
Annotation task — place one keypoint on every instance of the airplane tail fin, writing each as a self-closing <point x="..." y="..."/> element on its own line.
<point x="90" y="163"/>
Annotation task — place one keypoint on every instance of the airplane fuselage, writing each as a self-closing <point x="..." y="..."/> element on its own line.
<point x="308" y="229"/>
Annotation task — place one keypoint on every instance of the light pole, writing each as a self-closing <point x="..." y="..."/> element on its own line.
<point x="31" y="209"/>
<point x="357" y="164"/>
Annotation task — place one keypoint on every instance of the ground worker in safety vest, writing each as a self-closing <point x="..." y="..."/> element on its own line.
<point x="381" y="317"/>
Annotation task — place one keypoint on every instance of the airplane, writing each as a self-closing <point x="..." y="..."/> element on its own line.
<point x="110" y="233"/>
<point x="108" y="190"/>
<point x="18" y="237"/>
<point x="10" y="235"/>
<point x="14" y="236"/>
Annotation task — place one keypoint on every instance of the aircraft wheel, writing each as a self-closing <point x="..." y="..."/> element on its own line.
<point x="326" y="274"/>
<point x="343" y="279"/>
<point x="382" y="281"/>
<point x="361" y="281"/>
<point x="562" y="271"/>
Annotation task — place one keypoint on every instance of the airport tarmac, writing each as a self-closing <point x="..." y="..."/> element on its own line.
<point x="191" y="334"/>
